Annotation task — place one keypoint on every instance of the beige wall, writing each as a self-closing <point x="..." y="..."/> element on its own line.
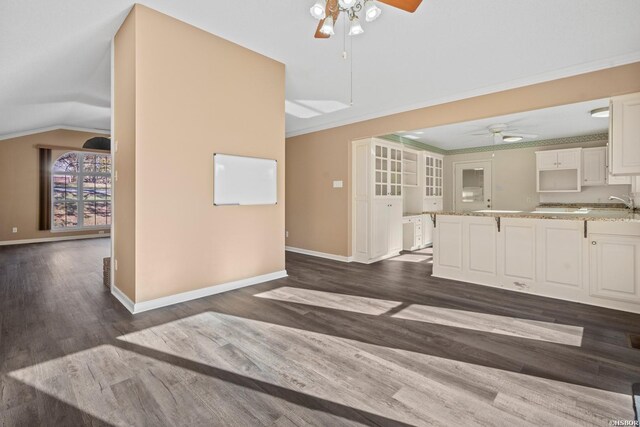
<point x="195" y="95"/>
<point x="335" y="144"/>
<point x="124" y="136"/>
<point x="19" y="183"/>
<point x="514" y="179"/>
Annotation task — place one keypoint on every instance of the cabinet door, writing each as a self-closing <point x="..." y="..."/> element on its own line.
<point x="380" y="228"/>
<point x="480" y="249"/>
<point x="614" y="267"/>
<point x="560" y="257"/>
<point x="381" y="170"/>
<point x="517" y="253"/>
<point x="447" y="251"/>
<point x="594" y="166"/>
<point x="624" y="135"/>
<point x="427" y="230"/>
<point x="568" y="159"/>
<point x="547" y="160"/>
<point x="395" y="225"/>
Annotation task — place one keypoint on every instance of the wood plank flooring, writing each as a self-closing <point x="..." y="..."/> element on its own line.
<point x="332" y="344"/>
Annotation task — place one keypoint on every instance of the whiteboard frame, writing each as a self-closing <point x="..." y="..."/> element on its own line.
<point x="240" y="204"/>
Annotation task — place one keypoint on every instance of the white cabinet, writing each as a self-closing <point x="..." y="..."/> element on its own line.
<point x="624" y="134"/>
<point x="613" y="266"/>
<point x="433" y="174"/>
<point x="479" y="252"/>
<point x="517" y="254"/>
<point x="412" y="233"/>
<point x="559" y="256"/>
<point x="559" y="170"/>
<point x="546" y="257"/>
<point x="427" y="230"/>
<point x="613" y="179"/>
<point x="594" y="166"/>
<point x="377" y="200"/>
<point x="448" y="247"/>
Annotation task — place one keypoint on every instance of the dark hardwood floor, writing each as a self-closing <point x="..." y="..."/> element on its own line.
<point x="332" y="344"/>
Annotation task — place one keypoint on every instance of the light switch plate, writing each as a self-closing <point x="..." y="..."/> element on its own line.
<point x="337" y="184"/>
<point x="14" y="230"/>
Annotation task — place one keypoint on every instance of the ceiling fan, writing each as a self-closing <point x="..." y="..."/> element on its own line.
<point x="502" y="133"/>
<point x="327" y="12"/>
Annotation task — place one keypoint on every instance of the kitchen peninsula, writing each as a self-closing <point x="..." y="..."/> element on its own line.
<point x="586" y="255"/>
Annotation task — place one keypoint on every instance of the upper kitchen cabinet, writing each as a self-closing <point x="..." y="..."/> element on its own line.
<point x="594" y="167"/>
<point x="559" y="170"/>
<point x="624" y="135"/>
<point x="433" y="175"/>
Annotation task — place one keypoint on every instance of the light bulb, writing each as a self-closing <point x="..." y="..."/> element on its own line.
<point x="347" y="4"/>
<point x="356" y="28"/>
<point x="371" y="11"/>
<point x="327" y="26"/>
<point x="317" y="10"/>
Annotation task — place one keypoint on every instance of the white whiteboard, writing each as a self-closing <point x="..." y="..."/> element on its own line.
<point x="244" y="180"/>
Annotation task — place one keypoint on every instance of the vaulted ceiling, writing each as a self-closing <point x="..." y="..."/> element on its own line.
<point x="55" y="56"/>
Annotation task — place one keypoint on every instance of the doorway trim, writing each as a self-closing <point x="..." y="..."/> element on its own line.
<point x="453" y="173"/>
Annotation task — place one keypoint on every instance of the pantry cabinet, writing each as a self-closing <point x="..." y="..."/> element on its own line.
<point x="624" y="134"/>
<point x="377" y="200"/>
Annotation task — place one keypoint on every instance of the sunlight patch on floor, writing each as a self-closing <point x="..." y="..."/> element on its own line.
<point x="495" y="324"/>
<point x="398" y="384"/>
<point x="412" y="257"/>
<point x="336" y="301"/>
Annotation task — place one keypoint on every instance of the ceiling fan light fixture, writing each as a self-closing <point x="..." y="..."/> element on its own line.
<point x="347" y="4"/>
<point x="371" y="11"/>
<point x="318" y="10"/>
<point x="355" y="28"/>
<point x="327" y="26"/>
<point x="512" y="138"/>
<point x="600" y="112"/>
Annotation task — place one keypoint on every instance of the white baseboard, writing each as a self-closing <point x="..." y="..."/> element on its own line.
<point x="139" y="307"/>
<point x="120" y="296"/>
<point x="319" y="254"/>
<point x="382" y="258"/>
<point x="53" y="239"/>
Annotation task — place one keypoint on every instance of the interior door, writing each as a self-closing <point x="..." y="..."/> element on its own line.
<point x="472" y="186"/>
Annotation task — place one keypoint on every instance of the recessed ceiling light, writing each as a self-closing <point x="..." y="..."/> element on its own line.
<point x="412" y="136"/>
<point x="600" y="112"/>
<point x="512" y="138"/>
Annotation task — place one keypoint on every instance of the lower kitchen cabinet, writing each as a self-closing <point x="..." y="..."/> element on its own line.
<point x="614" y="261"/>
<point x="386" y="227"/>
<point x="517" y="254"/>
<point x="560" y="258"/>
<point x="553" y="258"/>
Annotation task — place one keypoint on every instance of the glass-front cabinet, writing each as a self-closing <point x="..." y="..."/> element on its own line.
<point x="388" y="170"/>
<point x="433" y="175"/>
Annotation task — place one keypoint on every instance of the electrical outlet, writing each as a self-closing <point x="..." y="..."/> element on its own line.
<point x="286" y="234"/>
<point x="101" y="232"/>
<point x="14" y="230"/>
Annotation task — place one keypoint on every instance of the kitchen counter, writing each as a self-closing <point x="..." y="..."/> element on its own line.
<point x="593" y="214"/>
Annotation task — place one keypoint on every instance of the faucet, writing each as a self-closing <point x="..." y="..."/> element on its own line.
<point x="628" y="203"/>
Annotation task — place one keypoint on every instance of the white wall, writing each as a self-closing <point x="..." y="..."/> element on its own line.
<point x="514" y="179"/>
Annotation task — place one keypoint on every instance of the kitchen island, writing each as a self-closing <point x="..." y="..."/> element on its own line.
<point x="590" y="256"/>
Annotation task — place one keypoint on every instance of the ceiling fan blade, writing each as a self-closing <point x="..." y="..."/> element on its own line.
<point x="406" y="5"/>
<point x="319" y="34"/>
<point x="480" y="134"/>
<point x="497" y="138"/>
<point x="331" y="10"/>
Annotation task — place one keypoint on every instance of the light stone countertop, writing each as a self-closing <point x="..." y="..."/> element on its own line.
<point x="591" y="215"/>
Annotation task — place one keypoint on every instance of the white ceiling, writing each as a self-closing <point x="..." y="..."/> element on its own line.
<point x="548" y="123"/>
<point x="55" y="57"/>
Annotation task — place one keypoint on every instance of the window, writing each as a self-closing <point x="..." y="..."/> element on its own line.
<point x="81" y="191"/>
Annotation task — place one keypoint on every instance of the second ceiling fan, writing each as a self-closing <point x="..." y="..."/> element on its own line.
<point x="327" y="12"/>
